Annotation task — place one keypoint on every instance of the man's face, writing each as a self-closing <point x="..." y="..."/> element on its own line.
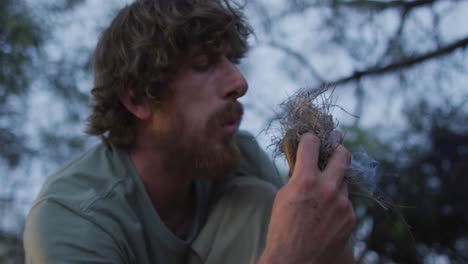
<point x="196" y="127"/>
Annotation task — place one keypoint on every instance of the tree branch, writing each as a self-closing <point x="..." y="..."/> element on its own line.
<point x="266" y="23"/>
<point x="404" y="63"/>
<point x="299" y="57"/>
<point x="394" y="43"/>
<point x="381" y="5"/>
<point x="405" y="6"/>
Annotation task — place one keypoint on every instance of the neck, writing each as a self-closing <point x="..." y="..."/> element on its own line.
<point x="171" y="193"/>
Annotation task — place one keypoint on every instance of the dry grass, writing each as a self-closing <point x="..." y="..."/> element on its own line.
<point x="306" y="111"/>
<point x="310" y="111"/>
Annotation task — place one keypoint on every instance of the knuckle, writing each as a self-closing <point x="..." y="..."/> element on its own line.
<point x="306" y="185"/>
<point x="345" y="155"/>
<point x="343" y="168"/>
<point x="305" y="179"/>
<point x="329" y="190"/>
<point x="309" y="181"/>
<point x="281" y="192"/>
<point x="343" y="204"/>
<point x="310" y="138"/>
<point x="285" y="194"/>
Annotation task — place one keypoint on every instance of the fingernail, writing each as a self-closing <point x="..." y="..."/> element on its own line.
<point x="336" y="137"/>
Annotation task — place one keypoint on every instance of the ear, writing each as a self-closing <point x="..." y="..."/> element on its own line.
<point x="140" y="109"/>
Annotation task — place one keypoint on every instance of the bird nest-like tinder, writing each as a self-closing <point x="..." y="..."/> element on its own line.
<point x="306" y="111"/>
<point x="310" y="111"/>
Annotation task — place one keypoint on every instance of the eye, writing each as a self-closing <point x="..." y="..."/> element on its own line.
<point x="201" y="63"/>
<point x="234" y="58"/>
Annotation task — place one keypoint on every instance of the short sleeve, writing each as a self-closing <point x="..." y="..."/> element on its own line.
<point x="56" y="233"/>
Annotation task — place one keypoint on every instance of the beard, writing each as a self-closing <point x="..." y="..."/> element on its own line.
<point x="200" y="154"/>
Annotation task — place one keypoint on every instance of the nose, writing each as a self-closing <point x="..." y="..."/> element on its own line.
<point x="236" y="85"/>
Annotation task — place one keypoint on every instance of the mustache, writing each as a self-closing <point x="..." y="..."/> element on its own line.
<point x="230" y="112"/>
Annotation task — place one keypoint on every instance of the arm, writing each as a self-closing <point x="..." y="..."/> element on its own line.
<point x="312" y="217"/>
<point x="55" y="233"/>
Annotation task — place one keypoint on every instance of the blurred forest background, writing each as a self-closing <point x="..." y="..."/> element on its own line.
<point x="401" y="66"/>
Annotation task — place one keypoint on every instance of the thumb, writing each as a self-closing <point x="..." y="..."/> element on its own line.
<point x="307" y="156"/>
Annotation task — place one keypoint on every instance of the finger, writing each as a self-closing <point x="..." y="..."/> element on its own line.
<point x="289" y="144"/>
<point x="338" y="164"/>
<point x="336" y="137"/>
<point x="344" y="188"/>
<point x="307" y="155"/>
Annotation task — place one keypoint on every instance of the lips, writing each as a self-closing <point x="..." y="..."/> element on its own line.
<point x="232" y="120"/>
<point x="228" y="117"/>
<point x="231" y="125"/>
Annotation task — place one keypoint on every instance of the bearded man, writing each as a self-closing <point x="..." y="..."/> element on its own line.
<point x="173" y="181"/>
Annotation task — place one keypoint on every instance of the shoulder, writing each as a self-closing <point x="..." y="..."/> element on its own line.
<point x="254" y="161"/>
<point x="89" y="177"/>
<point x="56" y="232"/>
<point x="78" y="210"/>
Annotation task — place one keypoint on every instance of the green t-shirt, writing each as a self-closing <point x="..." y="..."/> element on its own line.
<point x="96" y="210"/>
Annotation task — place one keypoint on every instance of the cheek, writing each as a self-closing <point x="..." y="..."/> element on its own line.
<point x="195" y="123"/>
<point x="198" y="115"/>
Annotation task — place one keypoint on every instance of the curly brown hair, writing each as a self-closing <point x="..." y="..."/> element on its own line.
<point x="143" y="48"/>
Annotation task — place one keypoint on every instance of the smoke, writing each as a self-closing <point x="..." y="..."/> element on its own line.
<point x="363" y="170"/>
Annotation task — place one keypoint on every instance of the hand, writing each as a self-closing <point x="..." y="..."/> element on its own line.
<point x="312" y="217"/>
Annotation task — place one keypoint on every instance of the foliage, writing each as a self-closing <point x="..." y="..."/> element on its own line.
<point x="427" y="188"/>
<point x="20" y="38"/>
<point x="11" y="249"/>
<point x="26" y="68"/>
<point x="391" y="51"/>
<point x="26" y="71"/>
